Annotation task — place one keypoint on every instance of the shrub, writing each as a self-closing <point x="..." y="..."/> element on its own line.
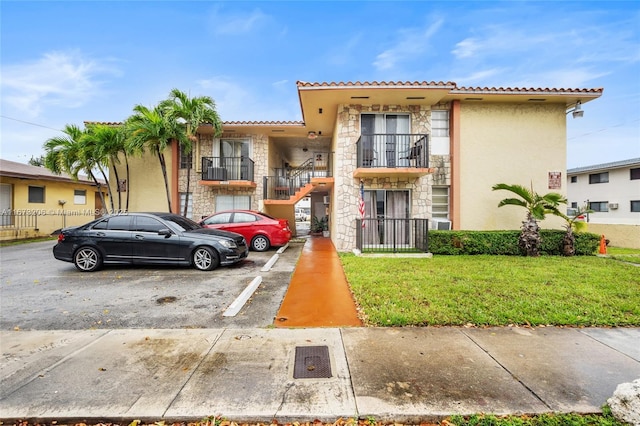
<point x="505" y="242"/>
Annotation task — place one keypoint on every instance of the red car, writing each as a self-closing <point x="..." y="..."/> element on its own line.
<point x="259" y="229"/>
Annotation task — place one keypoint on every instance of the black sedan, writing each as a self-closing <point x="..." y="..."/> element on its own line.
<point x="149" y="239"/>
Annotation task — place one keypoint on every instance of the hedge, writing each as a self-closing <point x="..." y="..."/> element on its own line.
<point x="506" y="242"/>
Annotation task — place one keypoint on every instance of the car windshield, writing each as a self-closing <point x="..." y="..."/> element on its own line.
<point x="182" y="223"/>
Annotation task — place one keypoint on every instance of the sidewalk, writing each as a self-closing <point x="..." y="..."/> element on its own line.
<point x="407" y="375"/>
<point x="316" y="363"/>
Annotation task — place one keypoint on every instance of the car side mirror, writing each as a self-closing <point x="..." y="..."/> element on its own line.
<point x="166" y="232"/>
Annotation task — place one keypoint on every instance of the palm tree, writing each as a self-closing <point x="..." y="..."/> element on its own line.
<point x="572" y="224"/>
<point x="93" y="156"/>
<point x="194" y="112"/>
<point x="109" y="142"/>
<point x="65" y="155"/>
<point x="151" y="129"/>
<point x="538" y="206"/>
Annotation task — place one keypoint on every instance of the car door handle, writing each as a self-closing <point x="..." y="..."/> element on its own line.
<point x="100" y="234"/>
<point x="139" y="237"/>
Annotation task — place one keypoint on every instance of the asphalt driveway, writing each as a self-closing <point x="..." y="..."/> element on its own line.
<point x="38" y="292"/>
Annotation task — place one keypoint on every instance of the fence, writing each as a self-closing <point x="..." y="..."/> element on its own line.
<point x="392" y="235"/>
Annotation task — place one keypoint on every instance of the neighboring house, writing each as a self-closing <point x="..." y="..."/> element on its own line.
<point x="420" y="150"/>
<point x="35" y="202"/>
<point x="612" y="192"/>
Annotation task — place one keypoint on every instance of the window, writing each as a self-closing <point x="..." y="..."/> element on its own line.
<point x="233" y="202"/>
<point x="574" y="179"/>
<point x="183" y="196"/>
<point x="439" y="132"/>
<point x="634" y="173"/>
<point x="36" y="194"/>
<point x="574" y="204"/>
<point x="440" y="202"/>
<point x="599" y="206"/>
<point x="599" y="177"/>
<point x="440" y="123"/>
<point x="148" y="224"/>
<point x="186" y="159"/>
<point x="114" y="223"/>
<point x="79" y="196"/>
<point x="635" y="206"/>
<point x="242" y="217"/>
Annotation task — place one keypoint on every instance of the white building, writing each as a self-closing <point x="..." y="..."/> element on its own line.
<point x="611" y="190"/>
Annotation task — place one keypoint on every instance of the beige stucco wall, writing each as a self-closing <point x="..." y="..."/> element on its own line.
<point x="50" y="214"/>
<point x="145" y="183"/>
<point x="512" y="144"/>
<point x="627" y="236"/>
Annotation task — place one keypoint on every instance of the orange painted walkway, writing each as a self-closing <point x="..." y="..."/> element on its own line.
<point x="318" y="294"/>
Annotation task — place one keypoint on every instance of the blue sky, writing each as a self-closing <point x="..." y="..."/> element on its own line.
<point x="70" y="62"/>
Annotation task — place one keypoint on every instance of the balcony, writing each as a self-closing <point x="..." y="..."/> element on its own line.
<point x="384" y="235"/>
<point x="382" y="155"/>
<point x="227" y="171"/>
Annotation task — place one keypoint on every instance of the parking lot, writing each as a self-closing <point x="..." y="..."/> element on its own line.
<point x="38" y="292"/>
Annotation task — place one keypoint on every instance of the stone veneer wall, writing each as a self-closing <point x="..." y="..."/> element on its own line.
<point x="346" y="189"/>
<point x="204" y="196"/>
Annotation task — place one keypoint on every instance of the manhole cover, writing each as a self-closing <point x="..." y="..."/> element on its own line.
<point x="312" y="362"/>
<point x="166" y="299"/>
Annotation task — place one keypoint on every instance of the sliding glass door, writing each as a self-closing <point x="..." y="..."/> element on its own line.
<point x="387" y="136"/>
<point x="386" y="207"/>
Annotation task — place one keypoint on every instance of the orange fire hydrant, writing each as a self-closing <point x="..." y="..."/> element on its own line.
<point x="603" y="245"/>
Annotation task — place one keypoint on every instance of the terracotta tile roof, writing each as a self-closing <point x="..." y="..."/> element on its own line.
<point x="263" y="123"/>
<point x="546" y="90"/>
<point x="350" y="84"/>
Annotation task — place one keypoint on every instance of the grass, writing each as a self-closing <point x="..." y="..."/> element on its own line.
<point x="26" y="241"/>
<point x="624" y="254"/>
<point x="495" y="290"/>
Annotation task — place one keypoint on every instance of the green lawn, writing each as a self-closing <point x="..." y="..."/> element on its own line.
<point x="495" y="290"/>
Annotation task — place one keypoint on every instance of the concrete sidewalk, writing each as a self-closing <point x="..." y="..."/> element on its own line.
<point x="257" y="375"/>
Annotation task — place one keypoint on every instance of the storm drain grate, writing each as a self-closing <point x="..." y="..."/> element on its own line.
<point x="312" y="362"/>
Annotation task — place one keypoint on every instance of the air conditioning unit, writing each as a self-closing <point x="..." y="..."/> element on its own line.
<point x="441" y="224"/>
<point x="613" y="206"/>
<point x="326" y="199"/>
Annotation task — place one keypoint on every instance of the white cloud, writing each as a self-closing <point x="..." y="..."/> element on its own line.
<point x="411" y="42"/>
<point x="61" y="79"/>
<point x="234" y="24"/>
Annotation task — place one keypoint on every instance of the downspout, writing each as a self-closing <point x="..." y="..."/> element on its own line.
<point x="175" y="173"/>
<point x="454" y="149"/>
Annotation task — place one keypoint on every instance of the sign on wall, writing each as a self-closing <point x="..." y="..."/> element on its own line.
<point x="555" y="180"/>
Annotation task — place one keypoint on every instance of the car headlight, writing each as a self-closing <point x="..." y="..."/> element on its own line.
<point x="228" y="244"/>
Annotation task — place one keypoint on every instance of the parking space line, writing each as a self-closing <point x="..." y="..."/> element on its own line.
<point x="267" y="266"/>
<point x="237" y="304"/>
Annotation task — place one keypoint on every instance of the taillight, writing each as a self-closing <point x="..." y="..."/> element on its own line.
<point x="60" y="237"/>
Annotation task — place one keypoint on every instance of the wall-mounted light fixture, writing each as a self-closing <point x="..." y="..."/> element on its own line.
<point x="312" y="135"/>
<point x="576" y="111"/>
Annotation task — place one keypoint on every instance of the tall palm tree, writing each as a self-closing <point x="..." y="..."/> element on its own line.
<point x="537" y="206"/>
<point x="65" y="155"/>
<point x="109" y="143"/>
<point x="194" y="112"/>
<point x="151" y="129"/>
<point x="94" y="157"/>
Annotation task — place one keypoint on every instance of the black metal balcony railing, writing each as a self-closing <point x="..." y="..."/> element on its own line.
<point x="285" y="185"/>
<point x="227" y="168"/>
<point x="393" y="150"/>
<point x="392" y="235"/>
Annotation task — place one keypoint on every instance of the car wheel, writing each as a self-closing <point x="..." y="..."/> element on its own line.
<point x="87" y="259"/>
<point x="205" y="259"/>
<point x="260" y="243"/>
